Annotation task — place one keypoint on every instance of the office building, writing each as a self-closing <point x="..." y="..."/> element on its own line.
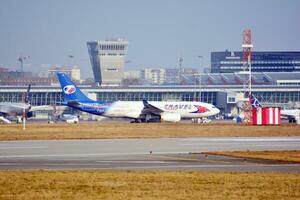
<point x="154" y="76"/>
<point x="275" y="61"/>
<point x="73" y="72"/>
<point x="132" y="74"/>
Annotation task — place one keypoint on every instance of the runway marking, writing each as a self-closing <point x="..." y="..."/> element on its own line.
<point x="246" y="139"/>
<point x="72" y="164"/>
<point x="134" y="162"/>
<point x="210" y="167"/>
<point x="88" y="155"/>
<point x="108" y="166"/>
<point x="24" y="147"/>
<point x="245" y="144"/>
<point x="8" y="164"/>
<point x="206" y="166"/>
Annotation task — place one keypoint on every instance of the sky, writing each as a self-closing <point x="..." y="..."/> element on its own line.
<point x="158" y="31"/>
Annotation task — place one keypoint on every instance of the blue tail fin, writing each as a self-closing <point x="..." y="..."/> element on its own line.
<point x="70" y="90"/>
<point x="254" y="101"/>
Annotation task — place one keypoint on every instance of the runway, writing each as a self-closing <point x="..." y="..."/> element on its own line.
<point x="144" y="154"/>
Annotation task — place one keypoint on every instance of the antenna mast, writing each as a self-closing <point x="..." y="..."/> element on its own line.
<point x="247" y="86"/>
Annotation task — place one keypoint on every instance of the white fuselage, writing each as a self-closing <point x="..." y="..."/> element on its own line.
<point x="294" y="114"/>
<point x="133" y="109"/>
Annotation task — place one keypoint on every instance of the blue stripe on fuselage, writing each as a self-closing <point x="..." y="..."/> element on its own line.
<point x="96" y="108"/>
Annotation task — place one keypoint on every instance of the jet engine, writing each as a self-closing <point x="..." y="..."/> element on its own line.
<point x="29" y="114"/>
<point x="171" y="117"/>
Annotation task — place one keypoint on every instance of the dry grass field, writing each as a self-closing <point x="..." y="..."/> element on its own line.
<point x="285" y="156"/>
<point x="127" y="130"/>
<point x="147" y="185"/>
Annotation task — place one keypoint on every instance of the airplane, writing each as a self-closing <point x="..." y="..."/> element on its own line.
<point x="10" y="111"/>
<point x="293" y="115"/>
<point x="139" y="111"/>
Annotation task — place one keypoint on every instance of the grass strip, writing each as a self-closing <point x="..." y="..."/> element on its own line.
<point x="41" y="131"/>
<point x="120" y="185"/>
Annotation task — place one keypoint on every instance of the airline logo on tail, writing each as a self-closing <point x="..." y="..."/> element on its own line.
<point x="254" y="101"/>
<point x="69" y="89"/>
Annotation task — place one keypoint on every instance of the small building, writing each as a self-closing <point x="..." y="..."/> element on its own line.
<point x="266" y="116"/>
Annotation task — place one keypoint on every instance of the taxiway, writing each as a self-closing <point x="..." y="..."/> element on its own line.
<point x="144" y="154"/>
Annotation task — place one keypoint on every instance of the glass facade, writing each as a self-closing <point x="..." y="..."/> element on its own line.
<point x="278" y="98"/>
<point x="36" y="98"/>
<point x="282" y="96"/>
<point x="228" y="62"/>
<point x="209" y="97"/>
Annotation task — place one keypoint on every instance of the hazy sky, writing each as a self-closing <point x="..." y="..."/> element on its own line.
<point x="158" y="31"/>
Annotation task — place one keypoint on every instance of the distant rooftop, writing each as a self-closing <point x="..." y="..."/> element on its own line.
<point x="258" y="78"/>
<point x="110" y="40"/>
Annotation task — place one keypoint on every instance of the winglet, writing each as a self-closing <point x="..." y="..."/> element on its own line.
<point x="145" y="102"/>
<point x="148" y="108"/>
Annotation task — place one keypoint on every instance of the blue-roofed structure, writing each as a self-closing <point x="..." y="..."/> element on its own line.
<point x="262" y="61"/>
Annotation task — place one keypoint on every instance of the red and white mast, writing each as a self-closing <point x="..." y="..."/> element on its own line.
<point x="247" y="59"/>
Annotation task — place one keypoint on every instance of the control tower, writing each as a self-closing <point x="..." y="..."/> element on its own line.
<point x="107" y="59"/>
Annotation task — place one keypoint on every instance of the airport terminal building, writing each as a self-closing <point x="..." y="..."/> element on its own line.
<point x="275" y="81"/>
<point x="221" y="89"/>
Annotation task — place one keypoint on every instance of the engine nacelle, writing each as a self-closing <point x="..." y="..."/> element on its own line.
<point x="29" y="114"/>
<point x="171" y="117"/>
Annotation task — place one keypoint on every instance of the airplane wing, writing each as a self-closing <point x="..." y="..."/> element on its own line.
<point x="37" y="108"/>
<point x="150" y="109"/>
<point x="68" y="103"/>
<point x="4" y="109"/>
<point x="12" y="108"/>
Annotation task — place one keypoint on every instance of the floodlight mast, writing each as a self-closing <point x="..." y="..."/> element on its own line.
<point x="180" y="61"/>
<point x="21" y="60"/>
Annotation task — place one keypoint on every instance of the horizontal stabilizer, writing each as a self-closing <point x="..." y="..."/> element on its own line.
<point x="73" y="103"/>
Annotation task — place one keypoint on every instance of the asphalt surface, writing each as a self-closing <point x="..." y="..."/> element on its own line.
<point x="144" y="154"/>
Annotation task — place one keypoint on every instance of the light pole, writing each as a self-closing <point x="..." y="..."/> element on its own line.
<point x="21" y="60"/>
<point x="23" y="115"/>
<point x="180" y="60"/>
<point x="24" y="119"/>
<point x="71" y="60"/>
<point x="200" y="57"/>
